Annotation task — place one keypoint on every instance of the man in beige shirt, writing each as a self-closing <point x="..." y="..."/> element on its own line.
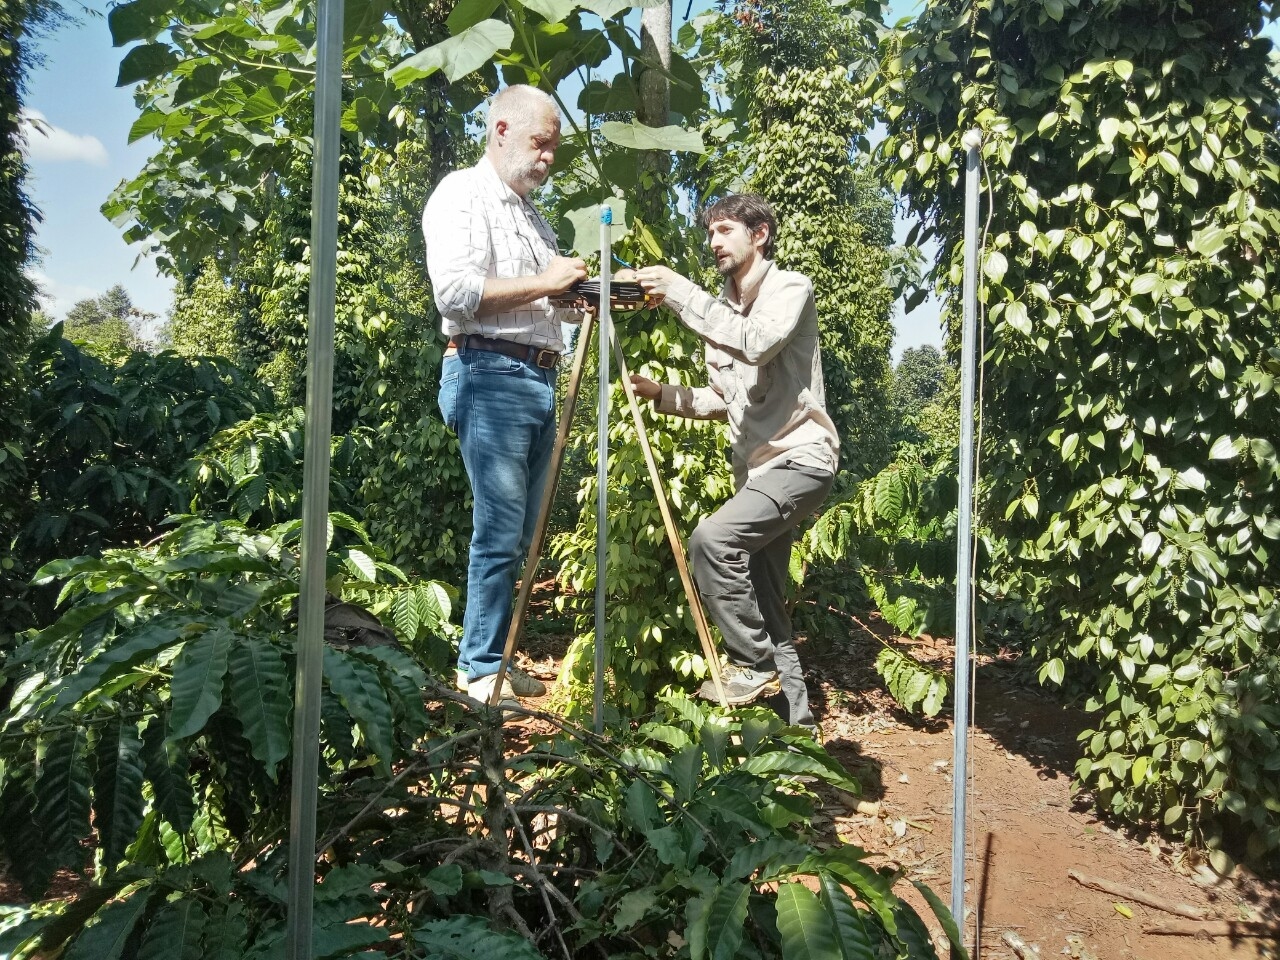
<point x="764" y="369"/>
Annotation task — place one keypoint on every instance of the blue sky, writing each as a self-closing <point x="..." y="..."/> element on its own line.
<point x="86" y="154"/>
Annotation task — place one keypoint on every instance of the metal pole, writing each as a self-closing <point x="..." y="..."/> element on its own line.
<point x="602" y="461"/>
<point x="964" y="528"/>
<point x="315" y="486"/>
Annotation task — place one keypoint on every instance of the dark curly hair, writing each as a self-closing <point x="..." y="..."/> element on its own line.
<point x="749" y="209"/>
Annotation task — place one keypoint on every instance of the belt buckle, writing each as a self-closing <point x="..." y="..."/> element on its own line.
<point x="547" y="359"/>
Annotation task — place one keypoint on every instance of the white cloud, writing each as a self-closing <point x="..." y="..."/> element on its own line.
<point x="57" y="298"/>
<point x="50" y="143"/>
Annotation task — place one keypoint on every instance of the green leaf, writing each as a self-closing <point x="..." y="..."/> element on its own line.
<point x="144" y="63"/>
<point x="117" y="790"/>
<point x="1124" y="69"/>
<point x="464" y="937"/>
<point x="197" y="682"/>
<point x="585" y="222"/>
<point x="226" y="933"/>
<point x="457" y="56"/>
<point x="260" y="695"/>
<point x="856" y="941"/>
<point x="135" y="21"/>
<point x="124" y="654"/>
<point x="553" y="11"/>
<point x="1226" y="448"/>
<point x="357" y="687"/>
<point x="808" y="931"/>
<point x="105" y="938"/>
<point x="638" y="136"/>
<point x="726" y="919"/>
<point x="165" y="764"/>
<point x="945" y="917"/>
<point x="467" y="13"/>
<point x="62" y="790"/>
<point x="176" y="932"/>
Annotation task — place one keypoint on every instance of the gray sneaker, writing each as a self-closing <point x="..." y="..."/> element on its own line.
<point x="522" y="685"/>
<point x="742" y="685"/>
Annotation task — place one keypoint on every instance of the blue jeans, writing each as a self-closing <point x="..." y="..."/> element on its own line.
<point x="503" y="411"/>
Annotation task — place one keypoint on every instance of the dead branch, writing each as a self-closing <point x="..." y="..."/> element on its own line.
<point x="1019" y="946"/>
<point x="1138" y="896"/>
<point x="1216" y="928"/>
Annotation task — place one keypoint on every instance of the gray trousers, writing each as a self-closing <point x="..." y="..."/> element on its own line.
<point x="740" y="556"/>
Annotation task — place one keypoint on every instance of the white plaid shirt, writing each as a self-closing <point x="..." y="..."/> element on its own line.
<point x="475" y="227"/>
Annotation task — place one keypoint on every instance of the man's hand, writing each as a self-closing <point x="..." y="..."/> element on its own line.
<point x="644" y="387"/>
<point x="656" y="280"/>
<point x="562" y="273"/>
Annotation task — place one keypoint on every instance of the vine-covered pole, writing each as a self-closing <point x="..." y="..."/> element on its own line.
<point x="964" y="527"/>
<point x="602" y="462"/>
<point x="315" y="486"/>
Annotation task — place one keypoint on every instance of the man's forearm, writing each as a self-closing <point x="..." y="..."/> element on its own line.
<point x="502" y="294"/>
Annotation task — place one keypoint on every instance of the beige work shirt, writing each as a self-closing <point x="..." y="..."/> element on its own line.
<point x="764" y="368"/>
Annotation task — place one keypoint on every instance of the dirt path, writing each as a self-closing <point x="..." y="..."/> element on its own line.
<point x="1026" y="830"/>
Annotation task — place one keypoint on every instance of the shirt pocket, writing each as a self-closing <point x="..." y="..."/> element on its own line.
<point x="757" y="381"/>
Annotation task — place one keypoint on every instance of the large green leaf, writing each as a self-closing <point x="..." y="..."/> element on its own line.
<point x="856" y="941"/>
<point x="124" y="654"/>
<point x="467" y="13"/>
<point x="808" y="932"/>
<point x="457" y="56"/>
<point x="117" y="790"/>
<point x="175" y="932"/>
<point x="197" y="682"/>
<point x="62" y="791"/>
<point x="718" y="921"/>
<point x="260" y="695"/>
<point x="225" y="933"/>
<point x="105" y="938"/>
<point x="913" y="934"/>
<point x="553" y="11"/>
<point x="357" y="687"/>
<point x="165" y="763"/>
<point x="586" y="226"/>
<point x="943" y="913"/>
<point x="145" y="62"/>
<point x="638" y="136"/>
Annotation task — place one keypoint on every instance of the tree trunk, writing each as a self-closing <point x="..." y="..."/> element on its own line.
<point x="654" y="109"/>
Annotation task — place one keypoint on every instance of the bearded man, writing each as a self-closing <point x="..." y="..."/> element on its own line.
<point x="495" y="268"/>
<point x="764" y="368"/>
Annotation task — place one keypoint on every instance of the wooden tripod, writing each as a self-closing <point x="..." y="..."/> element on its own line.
<point x="516" y="629"/>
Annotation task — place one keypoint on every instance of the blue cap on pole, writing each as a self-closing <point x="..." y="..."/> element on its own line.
<point x="606" y="214"/>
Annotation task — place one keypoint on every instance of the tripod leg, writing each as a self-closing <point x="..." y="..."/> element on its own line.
<point x="673" y="535"/>
<point x="516" y="629"/>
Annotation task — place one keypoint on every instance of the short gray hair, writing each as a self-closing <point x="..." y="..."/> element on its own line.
<point x="516" y="104"/>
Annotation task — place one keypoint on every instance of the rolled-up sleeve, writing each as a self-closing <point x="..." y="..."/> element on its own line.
<point x="459" y="251"/>
<point x="755" y="338"/>
<point x="695" y="403"/>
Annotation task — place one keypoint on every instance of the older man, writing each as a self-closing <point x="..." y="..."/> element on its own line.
<point x="494" y="266"/>
<point x="765" y="372"/>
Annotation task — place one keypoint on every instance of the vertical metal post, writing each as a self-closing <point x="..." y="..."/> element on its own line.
<point x="964" y="527"/>
<point x="315" y="487"/>
<point x="602" y="462"/>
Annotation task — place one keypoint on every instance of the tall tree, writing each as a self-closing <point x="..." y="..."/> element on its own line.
<point x="105" y="324"/>
<point x="1133" y="384"/>
<point x="20" y="20"/>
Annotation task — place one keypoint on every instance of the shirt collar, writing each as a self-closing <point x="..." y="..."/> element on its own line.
<point x="498" y="186"/>
<point x="745" y="297"/>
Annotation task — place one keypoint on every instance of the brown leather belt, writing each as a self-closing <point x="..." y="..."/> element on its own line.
<point x="542" y="357"/>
